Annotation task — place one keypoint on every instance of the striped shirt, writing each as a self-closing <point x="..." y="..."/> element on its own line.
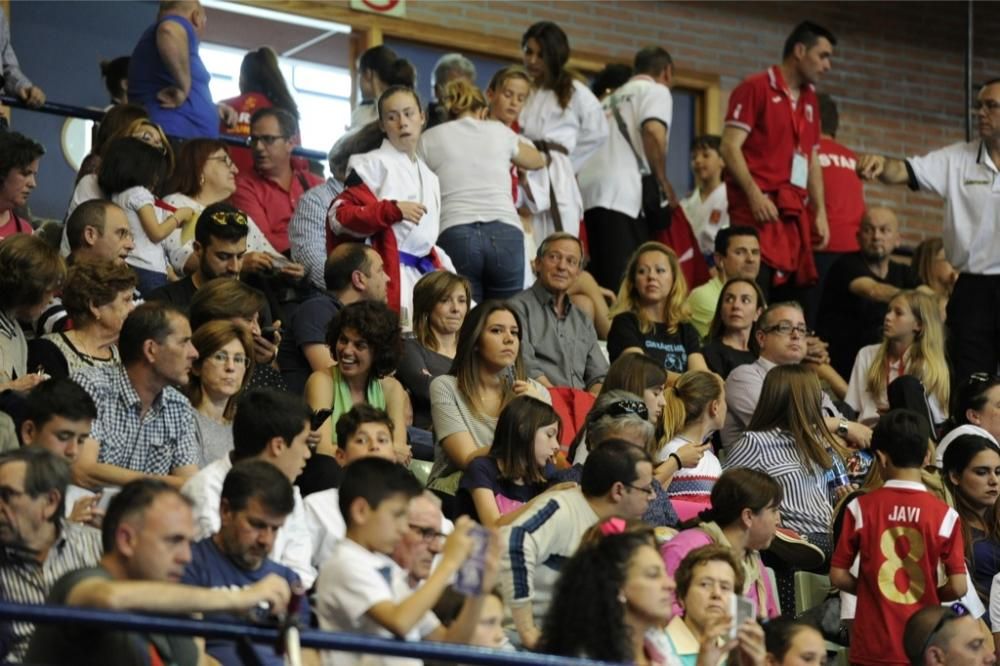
<point x="806" y="507"/>
<point x="25" y="580"/>
<point x="307" y="229"/>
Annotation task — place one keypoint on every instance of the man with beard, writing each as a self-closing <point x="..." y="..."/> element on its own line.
<point x="858" y="289"/>
<point x="256" y="499"/>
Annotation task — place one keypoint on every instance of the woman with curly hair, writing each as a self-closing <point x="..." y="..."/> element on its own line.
<point x="98" y="296"/>
<point x="650" y="317"/>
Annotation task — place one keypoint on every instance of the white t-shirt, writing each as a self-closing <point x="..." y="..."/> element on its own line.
<point x="707" y="216"/>
<point x="325" y="522"/>
<point x="352" y="580"/>
<point x="862" y="401"/>
<point x="147" y="255"/>
<point x="472" y="161"/>
<point x="611" y="178"/>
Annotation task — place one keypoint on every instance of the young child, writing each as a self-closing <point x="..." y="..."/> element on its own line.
<point x="903" y="534"/>
<point x="362" y="432"/>
<point x="393" y="199"/>
<point x="362" y="590"/>
<point x="514" y="471"/>
<point x="707" y="208"/>
<point x="131" y="175"/>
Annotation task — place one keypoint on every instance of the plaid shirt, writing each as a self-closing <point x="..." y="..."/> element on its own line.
<point x="155" y="443"/>
<point x="307" y="229"/>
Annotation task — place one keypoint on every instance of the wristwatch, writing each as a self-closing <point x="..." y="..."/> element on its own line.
<point x="842" y="428"/>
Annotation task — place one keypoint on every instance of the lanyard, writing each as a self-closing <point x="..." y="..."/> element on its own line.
<point x="795" y="109"/>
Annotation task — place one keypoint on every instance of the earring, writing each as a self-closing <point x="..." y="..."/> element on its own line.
<point x="621" y="598"/>
<point x="201" y="181"/>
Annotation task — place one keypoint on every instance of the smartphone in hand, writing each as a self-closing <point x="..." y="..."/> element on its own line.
<point x="741" y="609"/>
<point x="469" y="580"/>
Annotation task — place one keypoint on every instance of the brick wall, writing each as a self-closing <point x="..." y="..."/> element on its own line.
<point x="898" y="69"/>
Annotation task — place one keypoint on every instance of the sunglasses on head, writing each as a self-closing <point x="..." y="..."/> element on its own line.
<point x="623" y="407"/>
<point x="223" y="218"/>
<point x="953" y="612"/>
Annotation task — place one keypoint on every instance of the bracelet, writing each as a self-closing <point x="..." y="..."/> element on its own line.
<point x="680" y="465"/>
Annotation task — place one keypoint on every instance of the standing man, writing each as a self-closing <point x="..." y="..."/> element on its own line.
<point x="611" y="182"/>
<point x="449" y="67"/>
<point x="166" y="74"/>
<point x="965" y="175"/>
<point x="770" y="147"/>
<point x="270" y="192"/>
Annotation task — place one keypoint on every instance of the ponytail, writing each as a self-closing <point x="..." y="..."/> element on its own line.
<point x="686" y="401"/>
<point x="461" y="97"/>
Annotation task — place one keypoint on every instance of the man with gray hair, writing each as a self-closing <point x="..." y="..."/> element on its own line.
<point x="449" y="67"/>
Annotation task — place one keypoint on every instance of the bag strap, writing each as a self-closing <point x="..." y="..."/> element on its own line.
<point x="624" y="131"/>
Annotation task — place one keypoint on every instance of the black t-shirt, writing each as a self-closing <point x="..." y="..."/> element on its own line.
<point x="483" y="472"/>
<point x="321" y="472"/>
<point x="847" y="321"/>
<point x="418" y="367"/>
<point x="178" y="294"/>
<point x="670" y="349"/>
<point x="69" y="643"/>
<point x="721" y="359"/>
<point x="306" y="326"/>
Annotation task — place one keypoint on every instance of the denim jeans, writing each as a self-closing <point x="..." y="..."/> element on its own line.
<point x="489" y="254"/>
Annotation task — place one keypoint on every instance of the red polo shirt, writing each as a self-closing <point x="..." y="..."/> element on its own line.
<point x="844" y="193"/>
<point x="269" y="205"/>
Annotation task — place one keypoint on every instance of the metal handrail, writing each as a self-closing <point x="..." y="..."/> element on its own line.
<point x="71" y="111"/>
<point x="323" y="640"/>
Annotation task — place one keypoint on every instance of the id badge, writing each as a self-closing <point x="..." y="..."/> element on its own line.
<point x="800" y="170"/>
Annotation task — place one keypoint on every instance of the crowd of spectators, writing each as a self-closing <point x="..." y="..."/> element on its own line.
<point x="503" y="350"/>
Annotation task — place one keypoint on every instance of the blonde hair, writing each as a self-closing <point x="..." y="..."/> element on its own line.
<point x="687" y="400"/>
<point x="924" y="359"/>
<point x="674" y="310"/>
<point x="461" y="97"/>
<point x="503" y="75"/>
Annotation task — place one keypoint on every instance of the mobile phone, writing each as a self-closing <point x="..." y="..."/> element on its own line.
<point x="319" y="417"/>
<point x="269" y="333"/>
<point x="741" y="609"/>
<point x="508" y="377"/>
<point x="469" y="580"/>
<point x="106" y="495"/>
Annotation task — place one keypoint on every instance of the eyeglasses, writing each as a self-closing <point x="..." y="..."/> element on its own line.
<point x="428" y="534"/>
<point x="222" y="358"/>
<point x="787" y="328"/>
<point x="623" y="407"/>
<point x="955" y="611"/>
<point x="648" y="489"/>
<point x="266" y="139"/>
<point x="223" y="218"/>
<point x="225" y="159"/>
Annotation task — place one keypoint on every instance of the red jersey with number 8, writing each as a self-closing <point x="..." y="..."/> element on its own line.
<point x="903" y="535"/>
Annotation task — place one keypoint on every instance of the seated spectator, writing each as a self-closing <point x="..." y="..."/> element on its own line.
<point x="362" y="590"/>
<point x="362" y="432"/>
<point x="421" y="544"/>
<point x="858" y="287"/>
<point x="560" y="342"/>
<point x="791" y="642"/>
<point x="931" y="268"/>
<point x="480" y="227"/>
<point x="127" y="578"/>
<point x="18" y="174"/>
<point x="633" y="377"/>
<point x="232" y="300"/>
<point x="218" y="378"/>
<point x="205" y="175"/>
<point x="489" y="632"/>
<point x="883" y="520"/>
<point x="695" y="409"/>
<point x="976" y="411"/>
<point x="971" y="463"/>
<point x="514" y="471"/>
<point x="130" y="174"/>
<point x="732" y="335"/>
<point x="707" y="578"/>
<point x="737" y="255"/>
<point x="744" y="517"/>
<point x="781" y="337"/>
<point x="270" y="192"/>
<point x="274" y="427"/>
<point x="912" y="345"/>
<point x="37" y="545"/>
<point x="354" y="272"/>
<point x="364" y="337"/>
<point x="649" y="315"/>
<point x="98" y="296"/>
<point x="707" y="208"/>
<point x="441" y="302"/>
<point x="788" y="439"/>
<point x="31" y="273"/>
<point x="255" y="502"/>
<point x="942" y="636"/>
<point x="616" y="482"/>
<point x="487" y="373"/>
<point x="145" y="426"/>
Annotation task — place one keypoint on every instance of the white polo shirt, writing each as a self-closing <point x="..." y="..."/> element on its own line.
<point x="966" y="177"/>
<point x="611" y="178"/>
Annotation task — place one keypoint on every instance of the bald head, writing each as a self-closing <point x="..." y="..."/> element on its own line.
<point x="878" y="234"/>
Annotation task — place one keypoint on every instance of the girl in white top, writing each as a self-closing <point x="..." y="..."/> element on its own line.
<point x="563" y="112"/>
<point x="912" y="344"/>
<point x="393" y="200"/>
<point x="476" y="187"/>
<point x="130" y="174"/>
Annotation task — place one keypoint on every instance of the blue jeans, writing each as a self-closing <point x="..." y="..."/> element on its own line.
<point x="490" y="255"/>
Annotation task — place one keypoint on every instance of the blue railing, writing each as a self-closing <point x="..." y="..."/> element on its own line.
<point x="70" y="111"/>
<point x="321" y="640"/>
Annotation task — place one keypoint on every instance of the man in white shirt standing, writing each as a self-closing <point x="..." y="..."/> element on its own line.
<point x="611" y="182"/>
<point x="965" y="175"/>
